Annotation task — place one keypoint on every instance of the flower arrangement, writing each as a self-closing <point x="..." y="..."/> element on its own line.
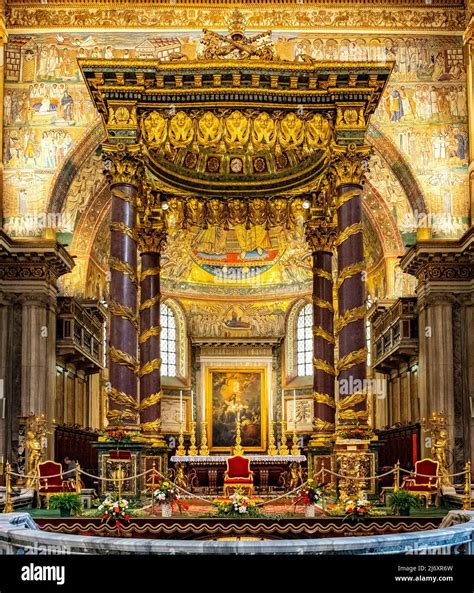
<point x="309" y="494"/>
<point x="164" y="492"/>
<point x="118" y="433"/>
<point x="237" y="505"/>
<point x="114" y="511"/>
<point x="356" y="510"/>
<point x="356" y="431"/>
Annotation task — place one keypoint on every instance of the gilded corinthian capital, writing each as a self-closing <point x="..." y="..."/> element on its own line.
<point x="350" y="163"/>
<point x="151" y="240"/>
<point x="123" y="163"/>
<point x="321" y="234"/>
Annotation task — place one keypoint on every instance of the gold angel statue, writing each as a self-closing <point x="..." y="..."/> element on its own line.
<point x="209" y="130"/>
<point x="181" y="130"/>
<point x="237" y="130"/>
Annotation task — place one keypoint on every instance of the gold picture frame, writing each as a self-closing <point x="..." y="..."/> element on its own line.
<point x="222" y="386"/>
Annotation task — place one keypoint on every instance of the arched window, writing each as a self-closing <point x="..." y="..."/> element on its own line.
<point x="168" y="341"/>
<point x="304" y="342"/>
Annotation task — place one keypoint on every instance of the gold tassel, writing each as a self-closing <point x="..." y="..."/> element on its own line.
<point x="149" y="401"/>
<point x="121" y="227"/>
<point x="124" y="268"/>
<point x="124" y="312"/>
<point x="322" y="333"/>
<point x="322" y="304"/>
<point x="123" y="358"/>
<point x="353" y="229"/>
<point x="150" y="302"/>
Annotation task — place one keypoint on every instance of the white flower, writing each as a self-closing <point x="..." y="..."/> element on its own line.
<point x="242" y="510"/>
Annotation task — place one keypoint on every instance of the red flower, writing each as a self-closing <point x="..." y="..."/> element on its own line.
<point x="127" y="518"/>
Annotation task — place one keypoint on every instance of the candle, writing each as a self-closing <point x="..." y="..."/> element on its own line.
<point x="294" y="409"/>
<point x="180" y="406"/>
<point x="282" y="405"/>
<point x="192" y="405"/>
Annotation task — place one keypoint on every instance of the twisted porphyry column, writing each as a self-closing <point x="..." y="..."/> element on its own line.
<point x="122" y="167"/>
<point x="320" y="236"/>
<point x="150" y="242"/>
<point x="350" y="323"/>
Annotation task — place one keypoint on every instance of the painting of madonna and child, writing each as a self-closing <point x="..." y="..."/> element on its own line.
<point x="231" y="392"/>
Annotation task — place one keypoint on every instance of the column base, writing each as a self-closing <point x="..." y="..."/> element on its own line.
<point x="119" y="463"/>
<point x="354" y="460"/>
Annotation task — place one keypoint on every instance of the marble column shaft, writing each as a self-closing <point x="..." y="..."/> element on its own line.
<point x="351" y="366"/>
<point x="123" y="340"/>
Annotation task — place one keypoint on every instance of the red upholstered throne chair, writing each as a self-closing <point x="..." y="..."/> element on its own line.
<point x="51" y="480"/>
<point x="238" y="475"/>
<point x="425" y="480"/>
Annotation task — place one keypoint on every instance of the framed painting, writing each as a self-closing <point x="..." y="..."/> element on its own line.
<point x="229" y="390"/>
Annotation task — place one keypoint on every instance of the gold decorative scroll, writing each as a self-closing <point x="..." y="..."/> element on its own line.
<point x="322" y="333"/>
<point x="149" y="367"/>
<point x="350" y="401"/>
<point x="322" y="304"/>
<point x="348" y="272"/>
<point x="154" y="425"/>
<point x="124" y="312"/>
<point x="323" y="273"/>
<point x="353" y="229"/>
<point x="350" y="316"/>
<point x="353" y="415"/>
<point x="154" y="330"/>
<point x="125" y="359"/>
<point x="149" y="272"/>
<point x="123" y="399"/>
<point x="149" y="401"/>
<point x="347" y="196"/>
<point x="322" y="365"/>
<point x="117" y="193"/>
<point x="124" y="268"/>
<point x="150" y="302"/>
<point x="323" y="426"/>
<point x="121" y="227"/>
<point x="324" y="398"/>
<point x="351" y="359"/>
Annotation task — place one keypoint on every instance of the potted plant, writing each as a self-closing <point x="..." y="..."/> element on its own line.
<point x="402" y="501"/>
<point x="68" y="503"/>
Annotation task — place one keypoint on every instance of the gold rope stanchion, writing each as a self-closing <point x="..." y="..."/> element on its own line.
<point x="467" y="488"/>
<point x="78" y="478"/>
<point x="396" y="477"/>
<point x="8" y="489"/>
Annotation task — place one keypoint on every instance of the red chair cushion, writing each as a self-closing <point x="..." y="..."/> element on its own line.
<point x="238" y="480"/>
<point x="427" y="467"/>
<point x="50" y="468"/>
<point x="238" y="466"/>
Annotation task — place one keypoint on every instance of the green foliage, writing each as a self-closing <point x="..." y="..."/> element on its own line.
<point x="402" y="501"/>
<point x="66" y="501"/>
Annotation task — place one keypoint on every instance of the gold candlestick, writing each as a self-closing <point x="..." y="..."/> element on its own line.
<point x="238" y="450"/>
<point x="192" y="446"/>
<point x="181" y="451"/>
<point x="203" y="449"/>
<point x="8" y="508"/>
<point x="283" y="448"/>
<point x="272" y="450"/>
<point x="294" y="449"/>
